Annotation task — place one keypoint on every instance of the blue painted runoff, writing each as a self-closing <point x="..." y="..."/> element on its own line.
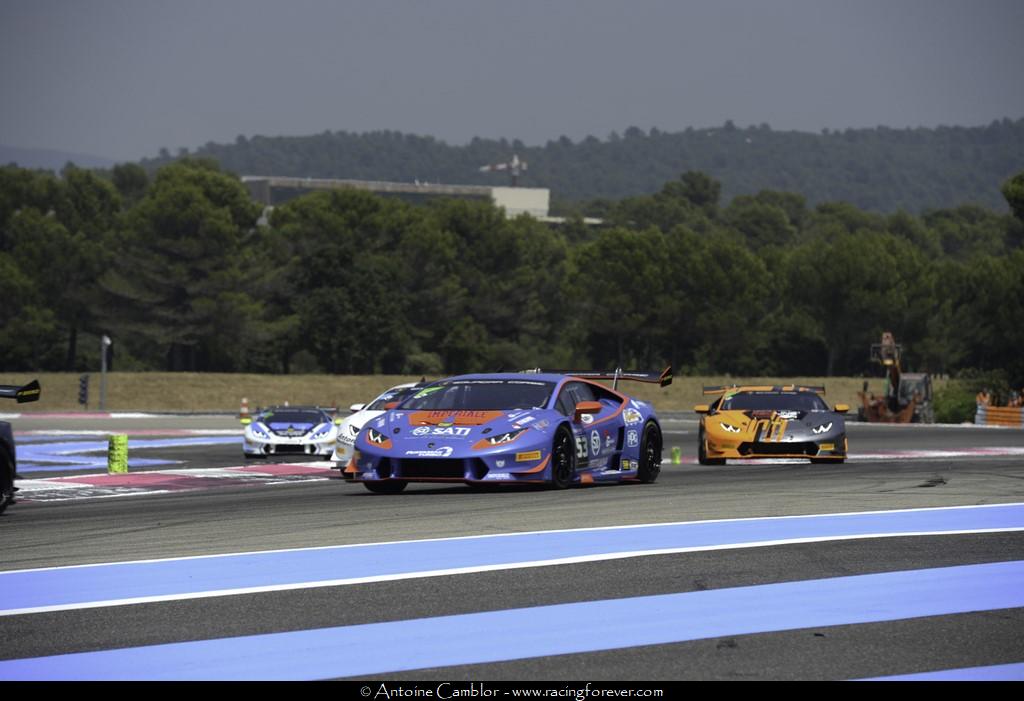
<point x="476" y="638"/>
<point x="69" y="586"/>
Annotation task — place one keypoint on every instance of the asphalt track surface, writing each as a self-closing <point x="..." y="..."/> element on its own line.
<point x="877" y="577"/>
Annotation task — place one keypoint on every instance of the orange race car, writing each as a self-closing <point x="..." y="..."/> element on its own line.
<point x="782" y="421"/>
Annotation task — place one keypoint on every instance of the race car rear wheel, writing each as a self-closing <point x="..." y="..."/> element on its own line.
<point x="386" y="486"/>
<point x="563" y="458"/>
<point x="650" y="454"/>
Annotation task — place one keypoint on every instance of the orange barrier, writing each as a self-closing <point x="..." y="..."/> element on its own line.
<point x="999" y="416"/>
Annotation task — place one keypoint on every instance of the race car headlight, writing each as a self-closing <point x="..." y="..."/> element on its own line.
<point x="353" y="430"/>
<point x="823" y="428"/>
<point x="727" y="427"/>
<point x="375" y="437"/>
<point x="259" y="431"/>
<point x="503" y="438"/>
<point x="322" y="431"/>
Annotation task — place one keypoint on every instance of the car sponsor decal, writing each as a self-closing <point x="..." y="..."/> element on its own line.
<point x="443" y="452"/>
<point x="595" y="443"/>
<point x="528" y="456"/>
<point x="769" y="430"/>
<point x="608" y="441"/>
<point x="632" y="439"/>
<point x="581" y="447"/>
<point x="587" y="419"/>
<point x="456" y="418"/>
<point x="442" y="430"/>
<point x="632" y="416"/>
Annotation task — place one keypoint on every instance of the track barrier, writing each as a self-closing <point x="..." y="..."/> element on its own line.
<point x="999" y="416"/>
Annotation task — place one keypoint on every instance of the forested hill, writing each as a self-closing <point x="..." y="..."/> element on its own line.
<point x="880" y="169"/>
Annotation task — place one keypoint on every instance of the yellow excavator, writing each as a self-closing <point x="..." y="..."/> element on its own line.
<point x="908" y="395"/>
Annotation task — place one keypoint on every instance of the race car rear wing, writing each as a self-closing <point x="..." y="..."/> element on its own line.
<point x="722" y="389"/>
<point x="27" y="393"/>
<point x="663" y="379"/>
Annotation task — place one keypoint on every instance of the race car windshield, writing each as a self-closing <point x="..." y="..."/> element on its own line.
<point x="383" y="400"/>
<point x="791" y="401"/>
<point x="481" y="395"/>
<point x="293" y="417"/>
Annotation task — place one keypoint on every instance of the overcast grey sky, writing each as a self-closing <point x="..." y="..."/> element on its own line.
<point x="123" y="78"/>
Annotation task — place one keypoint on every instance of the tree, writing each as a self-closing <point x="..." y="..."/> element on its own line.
<point x="1013" y="191"/>
<point x="760" y="223"/>
<point x="179" y="281"/>
<point x="131" y="181"/>
<point x="854" y="287"/>
<point x="616" y="280"/>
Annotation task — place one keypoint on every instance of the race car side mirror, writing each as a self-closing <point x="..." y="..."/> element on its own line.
<point x="842" y="408"/>
<point x="391" y="405"/>
<point x="586" y="408"/>
<point x="702" y="408"/>
<point x="356" y="407"/>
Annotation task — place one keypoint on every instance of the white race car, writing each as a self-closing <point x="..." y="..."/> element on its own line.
<point x="290" y="429"/>
<point x="350" y="426"/>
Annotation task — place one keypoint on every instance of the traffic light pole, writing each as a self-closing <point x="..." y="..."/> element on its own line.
<point x="104" y="344"/>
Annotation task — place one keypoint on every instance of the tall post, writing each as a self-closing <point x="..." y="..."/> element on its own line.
<point x="104" y="344"/>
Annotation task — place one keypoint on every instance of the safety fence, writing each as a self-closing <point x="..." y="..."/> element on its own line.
<point x="999" y="416"/>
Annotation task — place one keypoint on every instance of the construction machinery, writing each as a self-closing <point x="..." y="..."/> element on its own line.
<point x="908" y="395"/>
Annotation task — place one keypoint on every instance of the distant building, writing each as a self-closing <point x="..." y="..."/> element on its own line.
<point x="535" y="201"/>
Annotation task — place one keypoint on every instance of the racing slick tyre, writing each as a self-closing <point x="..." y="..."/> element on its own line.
<point x="702" y="455"/>
<point x="650" y="454"/>
<point x="563" y="458"/>
<point x="6" y="481"/>
<point x="386" y="486"/>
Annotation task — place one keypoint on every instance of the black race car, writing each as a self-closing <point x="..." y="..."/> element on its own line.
<point x="8" y="458"/>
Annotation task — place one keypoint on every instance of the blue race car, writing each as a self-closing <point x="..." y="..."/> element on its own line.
<point x="557" y="429"/>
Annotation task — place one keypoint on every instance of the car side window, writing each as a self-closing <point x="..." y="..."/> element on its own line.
<point x="565" y="405"/>
<point x="581" y="393"/>
<point x="572" y="394"/>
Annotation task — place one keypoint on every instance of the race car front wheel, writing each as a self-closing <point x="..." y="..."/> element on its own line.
<point x="563" y="459"/>
<point x="702" y="452"/>
<point x="386" y="486"/>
